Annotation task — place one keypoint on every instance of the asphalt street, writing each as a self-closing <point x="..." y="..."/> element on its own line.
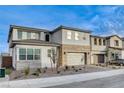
<point x="109" y="82"/>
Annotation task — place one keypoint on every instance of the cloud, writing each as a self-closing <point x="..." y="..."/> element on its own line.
<point x="101" y="20"/>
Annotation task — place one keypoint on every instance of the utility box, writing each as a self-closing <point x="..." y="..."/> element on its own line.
<point x="2" y="73"/>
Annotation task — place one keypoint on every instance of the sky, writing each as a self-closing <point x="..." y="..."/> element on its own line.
<point x="101" y="20"/>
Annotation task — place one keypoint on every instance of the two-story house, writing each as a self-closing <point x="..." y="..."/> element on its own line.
<point x="37" y="48"/>
<point x="32" y="47"/>
<point x="75" y="45"/>
<point x="104" y="49"/>
<point x="98" y="49"/>
<point x="114" y="47"/>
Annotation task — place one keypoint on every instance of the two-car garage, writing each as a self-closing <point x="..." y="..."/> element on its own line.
<point x="76" y="59"/>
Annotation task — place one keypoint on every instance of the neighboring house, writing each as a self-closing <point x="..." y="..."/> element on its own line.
<point x="98" y="49"/>
<point x="104" y="49"/>
<point x="38" y="48"/>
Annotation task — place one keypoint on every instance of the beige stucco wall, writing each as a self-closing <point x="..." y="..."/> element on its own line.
<point x="115" y="51"/>
<point x="95" y="53"/>
<point x="122" y="54"/>
<point x="76" y="49"/>
<point x="72" y="41"/>
<point x="97" y="47"/>
<point x="57" y="37"/>
<point x="112" y="39"/>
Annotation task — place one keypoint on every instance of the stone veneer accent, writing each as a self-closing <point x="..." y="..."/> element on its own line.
<point x="64" y="49"/>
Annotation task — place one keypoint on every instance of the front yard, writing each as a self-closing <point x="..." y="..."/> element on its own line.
<point x="28" y="73"/>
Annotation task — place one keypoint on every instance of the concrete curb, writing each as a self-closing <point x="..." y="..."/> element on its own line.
<point x="54" y="81"/>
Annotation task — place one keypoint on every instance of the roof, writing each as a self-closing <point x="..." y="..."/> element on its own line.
<point x="34" y="42"/>
<point x="71" y="28"/>
<point x="122" y="38"/>
<point x="25" y="28"/>
<point x="116" y="48"/>
<point x="108" y="37"/>
<point x="98" y="36"/>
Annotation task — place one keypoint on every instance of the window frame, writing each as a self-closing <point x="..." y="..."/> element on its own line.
<point x="28" y="35"/>
<point x="69" y="35"/>
<point x="116" y="42"/>
<point x="76" y="36"/>
<point x="22" y="54"/>
<point x="100" y="41"/>
<point x="104" y="42"/>
<point x="95" y="41"/>
<point x="20" y="33"/>
<point x="30" y="55"/>
<point x="36" y="54"/>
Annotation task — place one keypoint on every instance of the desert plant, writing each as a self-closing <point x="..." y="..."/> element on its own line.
<point x="64" y="70"/>
<point x="66" y="67"/>
<point x="76" y="70"/>
<point x="80" y="69"/>
<point x="58" y="72"/>
<point x="35" y="74"/>
<point x="44" y="71"/>
<point x="27" y="71"/>
<point x="8" y="71"/>
<point x="113" y="67"/>
<point x="38" y="70"/>
<point x="73" y="67"/>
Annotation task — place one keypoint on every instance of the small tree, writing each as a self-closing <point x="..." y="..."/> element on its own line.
<point x="27" y="71"/>
<point x="53" y="57"/>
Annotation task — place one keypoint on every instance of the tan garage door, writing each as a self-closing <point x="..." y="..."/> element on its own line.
<point x="75" y="59"/>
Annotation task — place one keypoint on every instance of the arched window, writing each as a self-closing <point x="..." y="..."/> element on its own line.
<point x="47" y="37"/>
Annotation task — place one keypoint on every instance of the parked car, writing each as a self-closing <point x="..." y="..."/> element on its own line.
<point x="117" y="62"/>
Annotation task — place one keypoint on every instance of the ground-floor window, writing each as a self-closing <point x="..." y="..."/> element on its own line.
<point x="37" y="54"/>
<point x="22" y="54"/>
<point x="29" y="54"/>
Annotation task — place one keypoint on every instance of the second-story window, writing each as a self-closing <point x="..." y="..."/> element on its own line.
<point x="68" y="34"/>
<point x="104" y="42"/>
<point x="19" y="35"/>
<point x="36" y="36"/>
<point x="22" y="54"/>
<point x="100" y="43"/>
<point x="29" y="54"/>
<point x="76" y="36"/>
<point x="28" y="35"/>
<point x="116" y="43"/>
<point x="47" y="38"/>
<point x="95" y="41"/>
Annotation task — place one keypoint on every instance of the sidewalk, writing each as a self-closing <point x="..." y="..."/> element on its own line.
<point x="53" y="81"/>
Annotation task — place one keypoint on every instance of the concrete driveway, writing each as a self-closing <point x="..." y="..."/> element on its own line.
<point x="109" y="82"/>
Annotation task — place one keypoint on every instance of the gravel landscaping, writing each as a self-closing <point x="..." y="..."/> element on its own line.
<point x="45" y="72"/>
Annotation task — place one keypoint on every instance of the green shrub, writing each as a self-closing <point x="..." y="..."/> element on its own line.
<point x="35" y="74"/>
<point x="8" y="71"/>
<point x="27" y="71"/>
<point x="58" y="72"/>
<point x="38" y="70"/>
<point x="66" y="67"/>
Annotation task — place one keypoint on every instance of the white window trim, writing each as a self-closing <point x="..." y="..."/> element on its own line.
<point x="26" y="54"/>
<point x="76" y="36"/>
<point x="69" y="34"/>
